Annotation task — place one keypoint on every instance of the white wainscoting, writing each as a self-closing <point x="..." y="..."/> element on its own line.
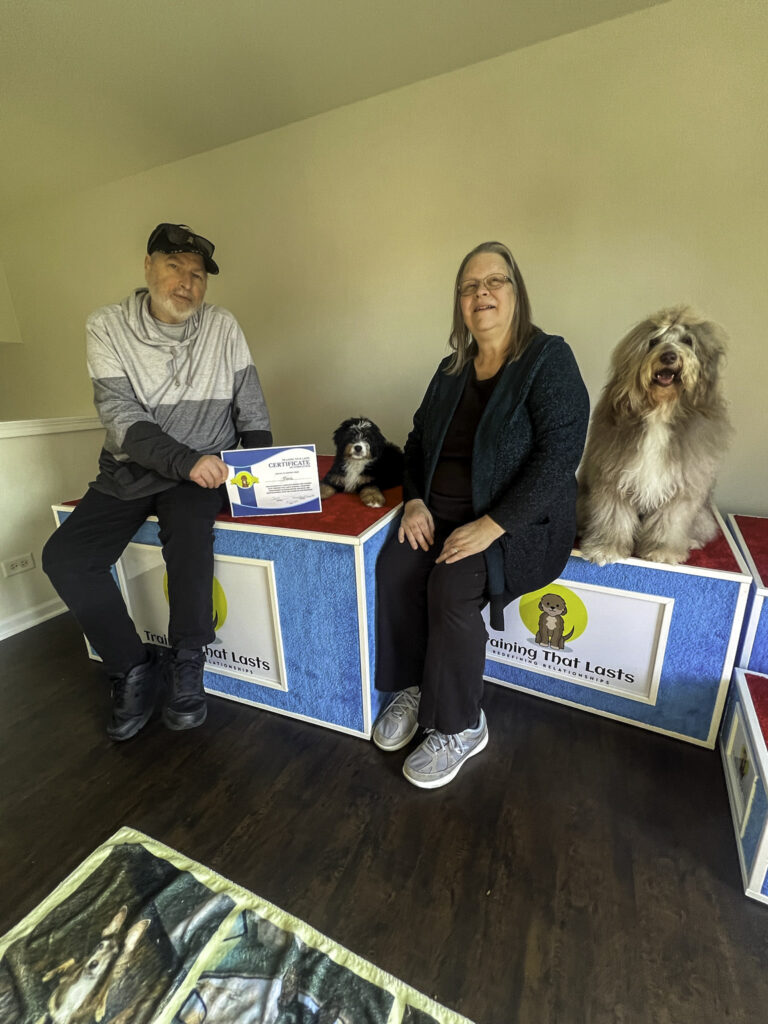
<point x="44" y="463"/>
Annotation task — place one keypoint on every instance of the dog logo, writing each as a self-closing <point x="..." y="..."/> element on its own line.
<point x="553" y="615"/>
<point x="552" y="622"/>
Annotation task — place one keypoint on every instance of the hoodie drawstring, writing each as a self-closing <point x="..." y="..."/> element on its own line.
<point x="175" y="368"/>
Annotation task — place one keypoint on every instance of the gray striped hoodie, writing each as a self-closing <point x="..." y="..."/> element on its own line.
<point x="164" y="401"/>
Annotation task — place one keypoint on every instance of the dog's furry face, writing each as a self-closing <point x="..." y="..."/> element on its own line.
<point x="553" y="604"/>
<point x="359" y="439"/>
<point x="671" y="357"/>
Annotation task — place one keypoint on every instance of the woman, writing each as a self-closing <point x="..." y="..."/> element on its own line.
<point x="490" y="494"/>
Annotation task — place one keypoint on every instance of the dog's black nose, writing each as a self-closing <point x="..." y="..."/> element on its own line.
<point x="668" y="357"/>
<point x="358" y="447"/>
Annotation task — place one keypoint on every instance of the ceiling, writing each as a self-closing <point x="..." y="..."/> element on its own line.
<point x="96" y="90"/>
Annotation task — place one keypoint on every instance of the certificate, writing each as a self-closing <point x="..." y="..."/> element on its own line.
<point x="273" y="481"/>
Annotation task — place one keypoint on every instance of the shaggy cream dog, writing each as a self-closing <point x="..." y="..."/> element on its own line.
<point x="654" y="443"/>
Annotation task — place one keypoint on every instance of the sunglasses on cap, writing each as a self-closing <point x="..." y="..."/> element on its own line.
<point x="171" y="238"/>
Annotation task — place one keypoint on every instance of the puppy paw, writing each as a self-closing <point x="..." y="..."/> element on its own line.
<point x="326" y="491"/>
<point x="372" y="497"/>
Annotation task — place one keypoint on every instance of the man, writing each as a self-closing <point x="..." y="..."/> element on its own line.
<point x="174" y="384"/>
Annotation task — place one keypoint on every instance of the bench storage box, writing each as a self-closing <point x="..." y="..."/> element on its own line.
<point x="294" y="601"/>
<point x="745" y="760"/>
<point x="642" y="642"/>
<point x="751" y="535"/>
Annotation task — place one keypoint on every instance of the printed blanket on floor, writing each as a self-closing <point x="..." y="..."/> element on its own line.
<point x="139" y="933"/>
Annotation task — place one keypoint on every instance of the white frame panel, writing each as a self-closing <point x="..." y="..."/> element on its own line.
<point x="742" y="802"/>
<point x="216" y="666"/>
<point x="667" y="605"/>
<point x="362" y="634"/>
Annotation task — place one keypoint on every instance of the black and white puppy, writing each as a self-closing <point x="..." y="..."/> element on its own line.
<point x="365" y="464"/>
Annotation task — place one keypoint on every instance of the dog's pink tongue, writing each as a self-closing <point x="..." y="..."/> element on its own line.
<point x="664" y="377"/>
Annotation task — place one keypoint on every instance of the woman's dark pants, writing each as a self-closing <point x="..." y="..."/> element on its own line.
<point x="429" y="630"/>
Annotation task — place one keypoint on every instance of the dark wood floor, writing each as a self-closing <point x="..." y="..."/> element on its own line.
<point x="578" y="871"/>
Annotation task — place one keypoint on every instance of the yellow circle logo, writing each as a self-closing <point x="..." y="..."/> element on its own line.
<point x="556" y="600"/>
<point x="219" y="601"/>
<point x="219" y="605"/>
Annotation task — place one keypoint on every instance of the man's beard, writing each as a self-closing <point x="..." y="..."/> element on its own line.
<point x="180" y="312"/>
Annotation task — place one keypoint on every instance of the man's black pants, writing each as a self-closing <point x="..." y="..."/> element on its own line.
<point x="79" y="556"/>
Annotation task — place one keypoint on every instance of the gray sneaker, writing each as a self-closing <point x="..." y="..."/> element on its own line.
<point x="397" y="724"/>
<point x="438" y="759"/>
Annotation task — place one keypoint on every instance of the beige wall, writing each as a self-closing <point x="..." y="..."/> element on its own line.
<point x="625" y="165"/>
<point x="49" y="468"/>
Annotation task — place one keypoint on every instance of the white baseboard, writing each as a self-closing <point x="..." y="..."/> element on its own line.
<point x="31" y="617"/>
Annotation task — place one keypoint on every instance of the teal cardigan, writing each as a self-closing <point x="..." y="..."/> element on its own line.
<point x="527" y="447"/>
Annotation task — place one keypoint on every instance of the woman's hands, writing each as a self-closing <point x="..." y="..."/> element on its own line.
<point x="417" y="525"/>
<point x="469" y="539"/>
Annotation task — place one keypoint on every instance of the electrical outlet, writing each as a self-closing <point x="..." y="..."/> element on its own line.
<point x="19" y="563"/>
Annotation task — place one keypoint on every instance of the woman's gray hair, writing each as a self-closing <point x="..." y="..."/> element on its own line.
<point x="461" y="341"/>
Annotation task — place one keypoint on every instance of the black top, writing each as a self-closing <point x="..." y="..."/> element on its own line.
<point x="450" y="496"/>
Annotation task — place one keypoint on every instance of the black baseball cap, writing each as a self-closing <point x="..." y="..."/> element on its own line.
<point x="170" y="238"/>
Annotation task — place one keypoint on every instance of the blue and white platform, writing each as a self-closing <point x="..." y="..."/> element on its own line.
<point x="645" y="643"/>
<point x="294" y="607"/>
<point x="745" y="760"/>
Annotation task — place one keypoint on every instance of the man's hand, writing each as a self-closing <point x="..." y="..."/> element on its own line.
<point x="209" y="471"/>
<point x="417" y="525"/>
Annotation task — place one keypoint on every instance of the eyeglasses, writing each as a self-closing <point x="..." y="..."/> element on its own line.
<point x="180" y="234"/>
<point x="492" y="283"/>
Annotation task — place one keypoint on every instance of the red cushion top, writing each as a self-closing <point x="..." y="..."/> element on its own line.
<point x="345" y="515"/>
<point x="758" y="690"/>
<point x="754" y="530"/>
<point x="716" y="555"/>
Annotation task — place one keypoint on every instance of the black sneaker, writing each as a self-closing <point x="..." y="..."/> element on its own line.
<point x="185" y="706"/>
<point x="134" y="696"/>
